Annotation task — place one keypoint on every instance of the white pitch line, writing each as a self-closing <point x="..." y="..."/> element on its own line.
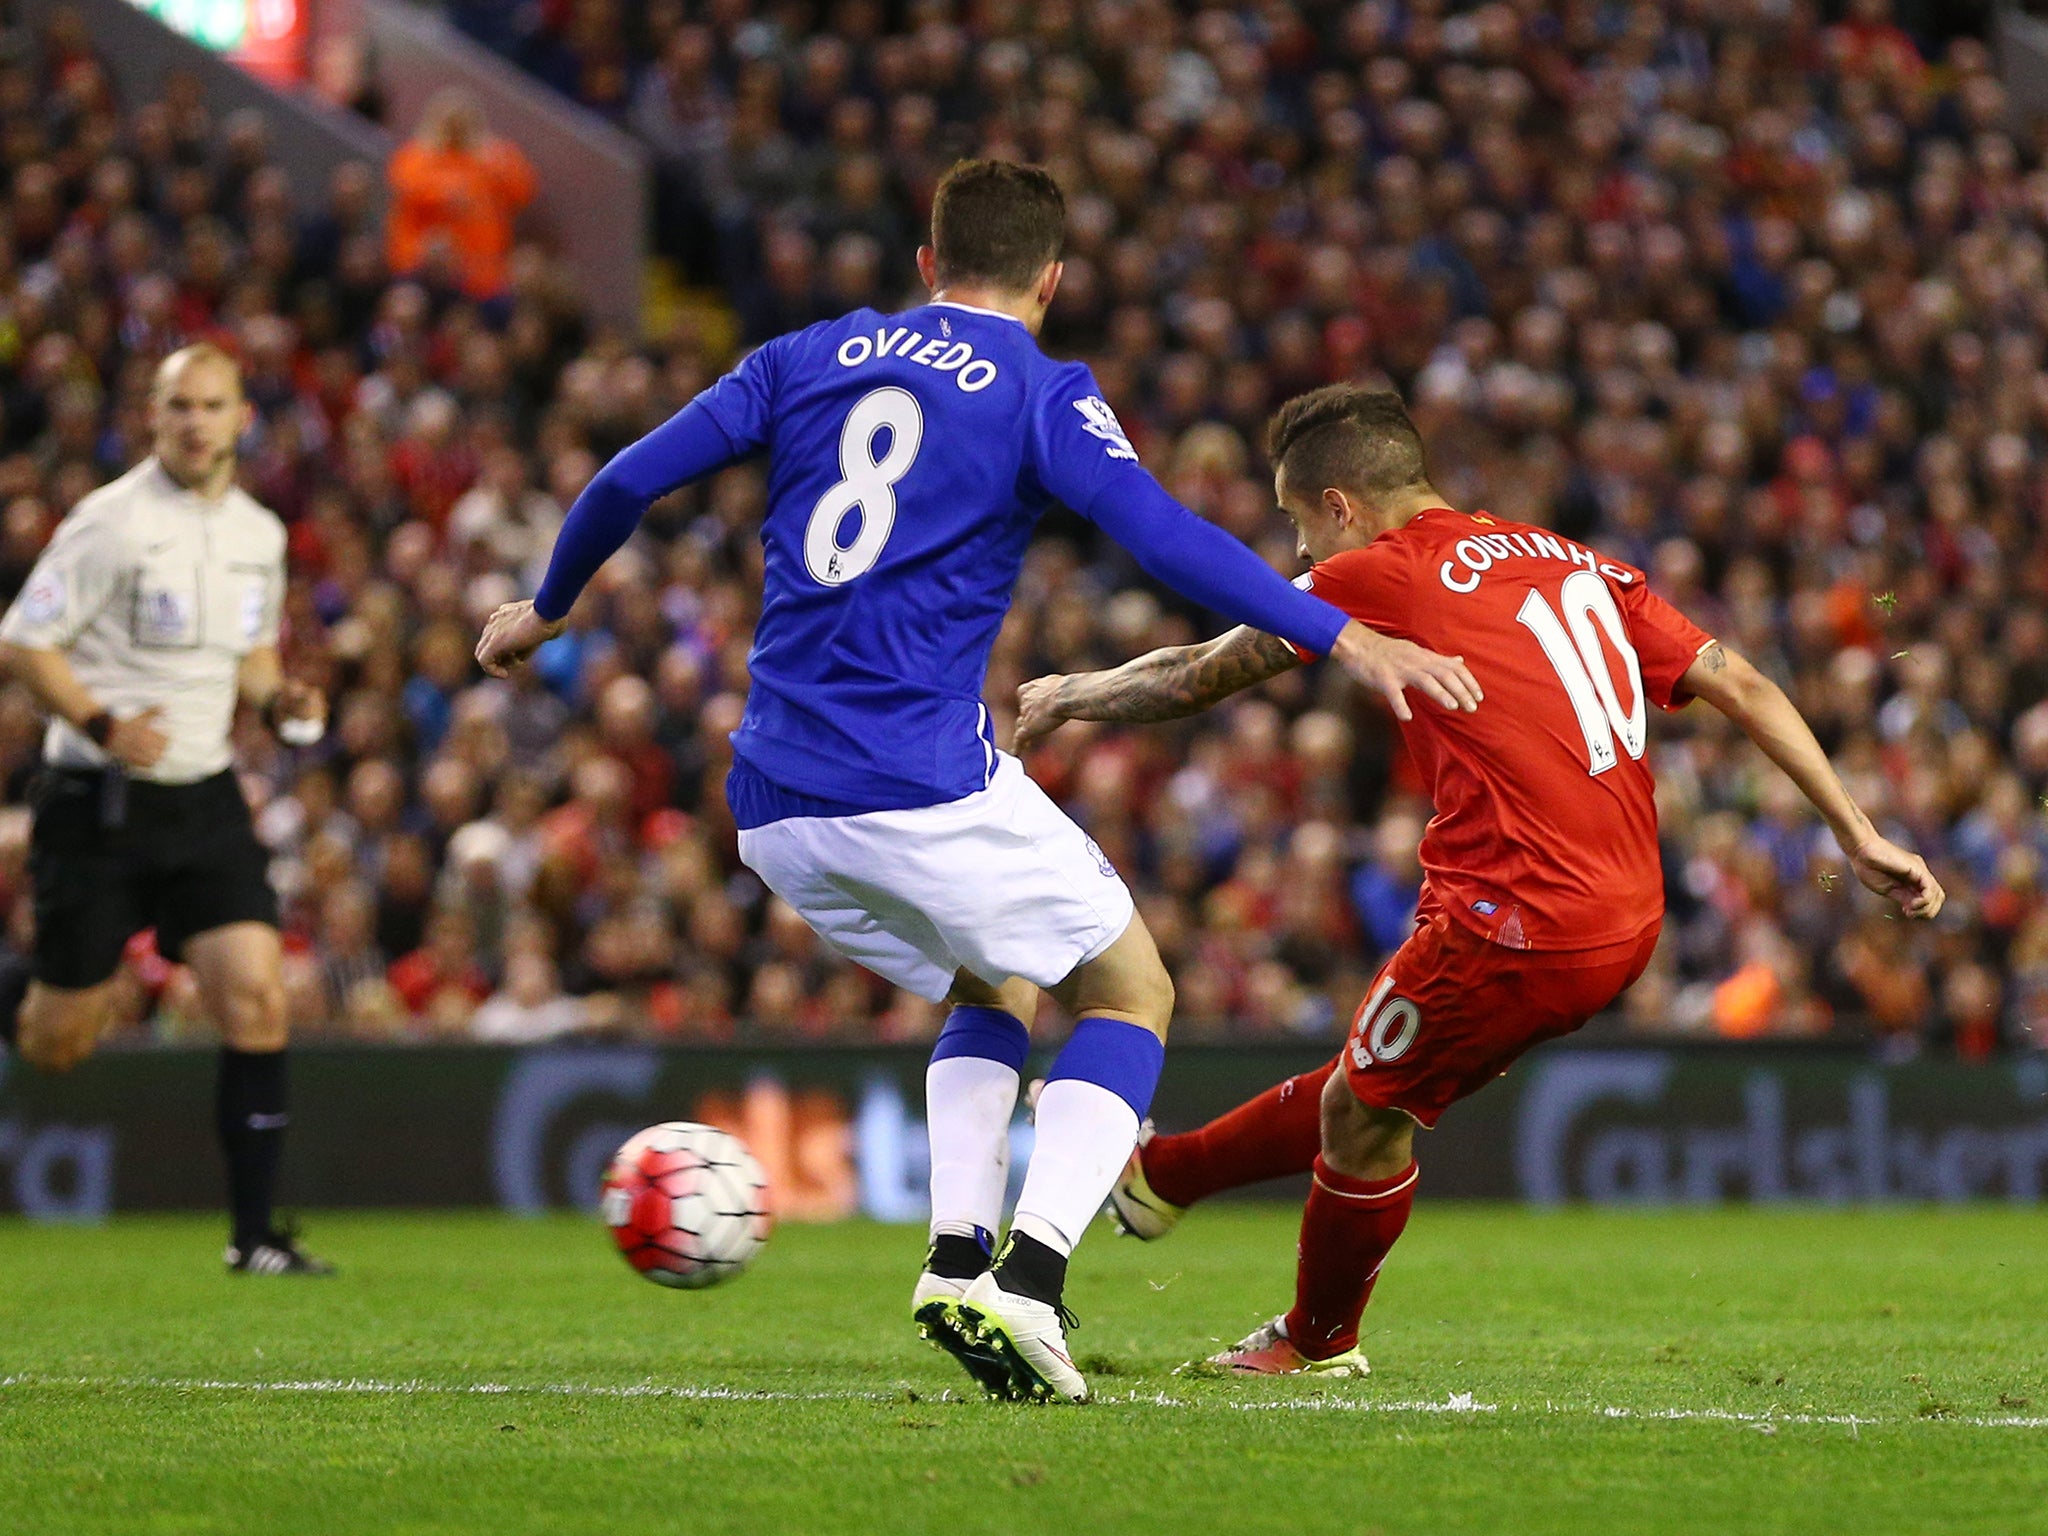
<point x="1456" y="1403"/>
<point x="356" y="1386"/>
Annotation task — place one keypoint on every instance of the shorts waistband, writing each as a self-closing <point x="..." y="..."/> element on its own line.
<point x="1433" y="909"/>
<point x="93" y="778"/>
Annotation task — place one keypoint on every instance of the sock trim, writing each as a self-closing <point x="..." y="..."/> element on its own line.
<point x="1038" y="1229"/>
<point x="1365" y="1191"/>
<point x="1121" y="1057"/>
<point x="989" y="1033"/>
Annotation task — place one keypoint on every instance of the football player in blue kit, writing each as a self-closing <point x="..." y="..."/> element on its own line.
<point x="910" y="457"/>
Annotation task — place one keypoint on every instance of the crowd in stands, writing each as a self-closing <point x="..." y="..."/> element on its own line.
<point x="1753" y="300"/>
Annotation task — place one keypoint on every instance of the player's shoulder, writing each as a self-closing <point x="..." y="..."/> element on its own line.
<point x="1071" y="390"/>
<point x="1059" y="381"/>
<point x="110" y="511"/>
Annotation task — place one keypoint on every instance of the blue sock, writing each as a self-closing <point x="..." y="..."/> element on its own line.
<point x="987" y="1032"/>
<point x="1095" y="1096"/>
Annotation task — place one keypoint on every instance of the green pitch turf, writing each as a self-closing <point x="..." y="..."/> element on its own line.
<point x="1579" y="1372"/>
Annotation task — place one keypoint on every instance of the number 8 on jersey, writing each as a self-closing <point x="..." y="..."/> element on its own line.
<point x="866" y="484"/>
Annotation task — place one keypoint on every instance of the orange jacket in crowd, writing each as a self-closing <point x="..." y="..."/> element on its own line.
<point x="468" y="197"/>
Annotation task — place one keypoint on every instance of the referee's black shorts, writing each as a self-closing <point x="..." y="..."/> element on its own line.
<point x="180" y="858"/>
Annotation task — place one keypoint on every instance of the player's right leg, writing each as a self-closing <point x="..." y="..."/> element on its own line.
<point x="1094" y="1101"/>
<point x="1358" y="1205"/>
<point x="17" y="973"/>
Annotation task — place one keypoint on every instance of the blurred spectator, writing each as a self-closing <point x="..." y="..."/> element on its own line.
<point x="531" y="1008"/>
<point x="441" y="981"/>
<point x="1386" y="886"/>
<point x="351" y="961"/>
<point x="455" y="192"/>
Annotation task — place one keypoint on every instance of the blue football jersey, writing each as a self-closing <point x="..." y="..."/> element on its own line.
<point x="910" y="457"/>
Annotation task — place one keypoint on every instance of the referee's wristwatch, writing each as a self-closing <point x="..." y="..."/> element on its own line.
<point x="99" y="728"/>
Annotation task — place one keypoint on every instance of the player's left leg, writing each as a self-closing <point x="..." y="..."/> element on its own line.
<point x="204" y="882"/>
<point x="239" y="968"/>
<point x="1447" y="1015"/>
<point x="970" y="1097"/>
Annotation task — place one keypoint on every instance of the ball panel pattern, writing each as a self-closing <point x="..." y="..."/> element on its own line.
<point x="687" y="1204"/>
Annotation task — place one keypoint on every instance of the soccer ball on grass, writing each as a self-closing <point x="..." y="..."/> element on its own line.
<point x="687" y="1204"/>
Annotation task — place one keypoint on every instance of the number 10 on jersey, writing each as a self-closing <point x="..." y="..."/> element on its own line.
<point x="867" y="485"/>
<point x="1573" y="646"/>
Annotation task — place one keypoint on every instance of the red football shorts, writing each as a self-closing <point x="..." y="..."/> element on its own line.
<point x="1450" y="1011"/>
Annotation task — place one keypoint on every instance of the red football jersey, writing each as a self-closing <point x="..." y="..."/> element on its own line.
<point x="1545" y="833"/>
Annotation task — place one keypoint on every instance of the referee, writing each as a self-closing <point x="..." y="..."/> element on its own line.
<point x="153" y="611"/>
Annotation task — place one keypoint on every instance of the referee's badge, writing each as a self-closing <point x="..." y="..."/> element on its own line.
<point x="164" y="617"/>
<point x="45" y="599"/>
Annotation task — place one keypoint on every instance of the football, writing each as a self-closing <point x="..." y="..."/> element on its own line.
<point x="687" y="1204"/>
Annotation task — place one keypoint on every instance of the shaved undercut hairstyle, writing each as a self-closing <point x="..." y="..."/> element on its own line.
<point x="997" y="222"/>
<point x="1355" y="439"/>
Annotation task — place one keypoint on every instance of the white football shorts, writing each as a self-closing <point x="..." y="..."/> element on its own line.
<point x="1000" y="883"/>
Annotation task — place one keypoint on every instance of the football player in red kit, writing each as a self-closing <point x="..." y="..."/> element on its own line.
<point x="1543" y="889"/>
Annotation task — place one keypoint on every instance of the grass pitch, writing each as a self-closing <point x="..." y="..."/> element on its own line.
<point x="1574" y="1372"/>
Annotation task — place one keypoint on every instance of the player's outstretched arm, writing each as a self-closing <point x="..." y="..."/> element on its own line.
<point x="1083" y="458"/>
<point x="1183" y="680"/>
<point x="1167" y="684"/>
<point x="1201" y="561"/>
<point x="1729" y="683"/>
<point x="689" y="445"/>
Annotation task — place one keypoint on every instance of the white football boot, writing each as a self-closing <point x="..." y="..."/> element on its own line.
<point x="1027" y="1335"/>
<point x="934" y="1308"/>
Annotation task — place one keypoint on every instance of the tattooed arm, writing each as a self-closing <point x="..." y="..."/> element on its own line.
<point x="1162" y="685"/>
<point x="1729" y="683"/>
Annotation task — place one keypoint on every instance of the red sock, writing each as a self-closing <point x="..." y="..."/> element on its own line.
<point x="1346" y="1232"/>
<point x="1278" y="1133"/>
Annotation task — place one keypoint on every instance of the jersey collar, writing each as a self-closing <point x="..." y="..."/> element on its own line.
<point x="972" y="309"/>
<point x="185" y="493"/>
